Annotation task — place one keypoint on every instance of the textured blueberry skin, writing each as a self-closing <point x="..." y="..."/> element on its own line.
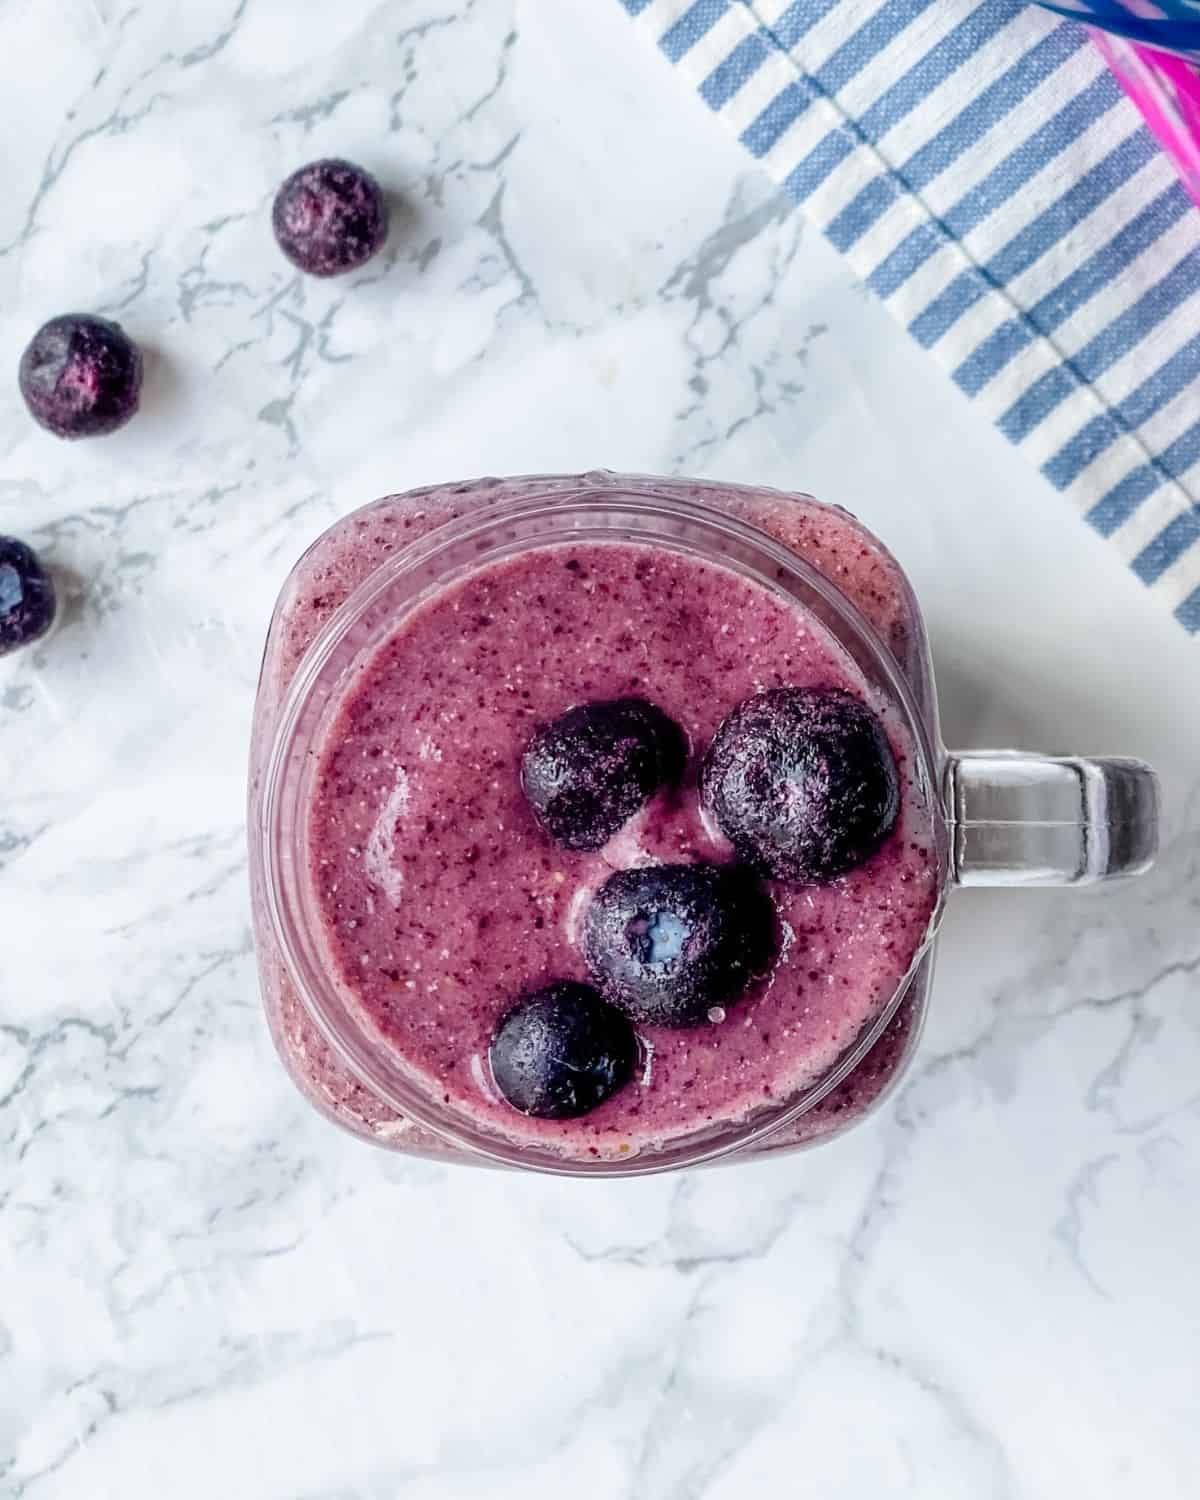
<point x="667" y="943"/>
<point x="562" y="1051"/>
<point x="330" y="217"/>
<point x="588" y="772"/>
<point x="27" y="600"/>
<point x="802" y="782"/>
<point x="81" y="376"/>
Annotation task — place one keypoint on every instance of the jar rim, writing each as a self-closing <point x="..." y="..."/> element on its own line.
<point x="617" y="510"/>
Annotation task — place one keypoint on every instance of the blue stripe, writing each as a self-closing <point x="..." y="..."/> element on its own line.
<point x="946" y="309"/>
<point x="695" y="22"/>
<point x="728" y="76"/>
<point x="1179" y="456"/>
<point x="1039" y="236"/>
<point x="848" y="61"/>
<point x="912" y="89"/>
<point x="1096" y="274"/>
<point x="1037" y="402"/>
<point x="1168" y="546"/>
<point x="1102" y="269"/>
<point x="1124" y="498"/>
<point x="1036" y="152"/>
<point x="861" y="212"/>
<point x="1188" y="613"/>
<point x="798" y="20"/>
<point x="996" y="101"/>
<point x="1139" y="406"/>
<point x="1102" y="352"/>
<point x="763" y="131"/>
<point x="1000" y="184"/>
<point x="635" y="7"/>
<point x="1112" y="509"/>
<point x="1044" y="232"/>
<point x="808" y="175"/>
<point x="967" y="127"/>
<point x="1128" y="329"/>
<point x="911" y="253"/>
<point x="749" y="54"/>
<point x="946" y="57"/>
<point x="990" y="357"/>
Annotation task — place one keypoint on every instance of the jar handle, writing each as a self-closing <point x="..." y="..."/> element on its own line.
<point x="1019" y="819"/>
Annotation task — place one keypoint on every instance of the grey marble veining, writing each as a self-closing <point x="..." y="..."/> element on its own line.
<point x="990" y="1289"/>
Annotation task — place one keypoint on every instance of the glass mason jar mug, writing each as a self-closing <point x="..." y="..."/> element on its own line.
<point x="406" y="896"/>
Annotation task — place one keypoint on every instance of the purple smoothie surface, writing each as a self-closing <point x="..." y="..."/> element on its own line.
<point x="857" y="936"/>
<point x="443" y="900"/>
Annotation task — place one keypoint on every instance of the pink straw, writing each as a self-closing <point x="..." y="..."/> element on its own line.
<point x="1167" y="91"/>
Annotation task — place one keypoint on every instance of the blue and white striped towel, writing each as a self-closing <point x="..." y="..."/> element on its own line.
<point x="983" y="173"/>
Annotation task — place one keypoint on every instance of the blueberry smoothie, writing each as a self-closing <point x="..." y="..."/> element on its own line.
<point x="611" y="846"/>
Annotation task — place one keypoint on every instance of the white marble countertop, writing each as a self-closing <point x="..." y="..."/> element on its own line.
<point x="991" y="1289"/>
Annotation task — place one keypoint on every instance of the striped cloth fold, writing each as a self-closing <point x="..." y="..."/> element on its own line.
<point x="982" y="171"/>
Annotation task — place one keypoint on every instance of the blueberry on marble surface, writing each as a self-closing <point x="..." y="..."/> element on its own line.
<point x="802" y="782"/>
<point x="587" y="773"/>
<point x="562" y="1051"/>
<point x="81" y="376"/>
<point x="27" y="600"/>
<point x="330" y="217"/>
<point x="669" y="943"/>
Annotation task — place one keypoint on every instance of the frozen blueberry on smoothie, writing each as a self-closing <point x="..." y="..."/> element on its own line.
<point x="671" y="943"/>
<point x="81" y="376"/>
<point x="561" y="1052"/>
<point x="330" y="217"/>
<point x="803" y="782"/>
<point x="589" y="771"/>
